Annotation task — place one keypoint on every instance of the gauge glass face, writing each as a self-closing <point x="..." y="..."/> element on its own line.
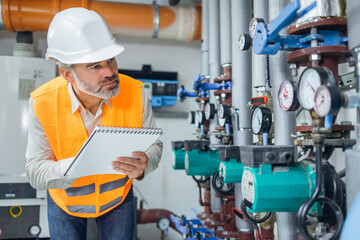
<point x="164" y="223"/>
<point x="252" y="27"/>
<point x="220" y="111"/>
<point x="222" y="121"/>
<point x="207" y="111"/>
<point x="201" y="117"/>
<point x="309" y="82"/>
<point x="286" y="95"/>
<point x="322" y="101"/>
<point x="35" y="230"/>
<point x="256" y="120"/>
<point x="241" y="42"/>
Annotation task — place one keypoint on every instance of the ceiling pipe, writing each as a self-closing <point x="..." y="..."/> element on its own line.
<point x="179" y="23"/>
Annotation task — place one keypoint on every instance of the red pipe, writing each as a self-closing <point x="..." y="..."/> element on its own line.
<point x="153" y="215"/>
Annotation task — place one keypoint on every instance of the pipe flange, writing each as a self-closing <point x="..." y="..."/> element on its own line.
<point x="156" y="19"/>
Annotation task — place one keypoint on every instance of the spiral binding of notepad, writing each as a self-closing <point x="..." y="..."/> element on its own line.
<point x="152" y="131"/>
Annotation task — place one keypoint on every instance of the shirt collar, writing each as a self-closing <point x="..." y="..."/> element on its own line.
<point x="76" y="104"/>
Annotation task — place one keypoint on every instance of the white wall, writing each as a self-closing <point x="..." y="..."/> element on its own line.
<point x="164" y="188"/>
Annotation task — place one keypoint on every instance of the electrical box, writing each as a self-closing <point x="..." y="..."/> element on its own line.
<point x="161" y="86"/>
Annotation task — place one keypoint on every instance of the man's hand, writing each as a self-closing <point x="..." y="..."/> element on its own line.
<point x="133" y="167"/>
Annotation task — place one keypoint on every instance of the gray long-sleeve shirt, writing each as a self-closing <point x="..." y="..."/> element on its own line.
<point x="42" y="169"/>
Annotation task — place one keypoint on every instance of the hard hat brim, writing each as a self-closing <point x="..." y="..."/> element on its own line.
<point x="102" y="54"/>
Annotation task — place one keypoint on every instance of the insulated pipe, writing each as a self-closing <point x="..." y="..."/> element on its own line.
<point x="225" y="31"/>
<point x="205" y="38"/>
<point x="352" y="163"/>
<point x="241" y="90"/>
<point x="129" y="19"/>
<point x="215" y="71"/>
<point x="261" y="10"/>
<point x="284" y="121"/>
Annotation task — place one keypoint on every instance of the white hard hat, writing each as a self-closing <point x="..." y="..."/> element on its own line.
<point x="78" y="35"/>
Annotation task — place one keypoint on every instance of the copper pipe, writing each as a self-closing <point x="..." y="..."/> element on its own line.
<point x="153" y="215"/>
<point x="137" y="19"/>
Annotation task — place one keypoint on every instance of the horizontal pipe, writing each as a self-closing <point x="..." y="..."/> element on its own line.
<point x="126" y="18"/>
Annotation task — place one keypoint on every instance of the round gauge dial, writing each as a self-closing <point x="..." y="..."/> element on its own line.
<point x="252" y="27"/>
<point x="244" y="42"/>
<point x="222" y="121"/>
<point x="328" y="100"/>
<point x="223" y="111"/>
<point x="201" y="117"/>
<point x="310" y="80"/>
<point x="209" y="111"/>
<point x="191" y="117"/>
<point x="163" y="223"/>
<point x="261" y="119"/>
<point x="287" y="96"/>
<point x="34" y="230"/>
<point x="197" y="119"/>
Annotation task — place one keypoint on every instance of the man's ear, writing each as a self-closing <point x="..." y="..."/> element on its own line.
<point x="67" y="74"/>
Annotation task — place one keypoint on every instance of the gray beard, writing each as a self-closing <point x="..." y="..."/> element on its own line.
<point x="93" y="92"/>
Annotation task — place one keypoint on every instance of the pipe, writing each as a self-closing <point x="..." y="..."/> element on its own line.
<point x="352" y="164"/>
<point x="225" y="32"/>
<point x="285" y="121"/>
<point x="205" y="38"/>
<point x="261" y="10"/>
<point x="241" y="90"/>
<point x="215" y="71"/>
<point x="128" y="19"/>
<point x="153" y="215"/>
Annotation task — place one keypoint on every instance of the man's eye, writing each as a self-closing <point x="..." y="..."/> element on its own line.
<point x="94" y="67"/>
<point x="111" y="60"/>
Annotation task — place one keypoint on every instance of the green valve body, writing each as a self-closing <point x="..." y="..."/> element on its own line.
<point x="278" y="188"/>
<point x="201" y="163"/>
<point x="178" y="157"/>
<point x="231" y="171"/>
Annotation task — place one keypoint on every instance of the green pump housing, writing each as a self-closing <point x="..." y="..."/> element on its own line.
<point x="178" y="157"/>
<point x="201" y="163"/>
<point x="231" y="171"/>
<point x="269" y="188"/>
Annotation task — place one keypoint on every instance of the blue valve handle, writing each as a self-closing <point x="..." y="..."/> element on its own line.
<point x="199" y="85"/>
<point x="180" y="224"/>
<point x="182" y="94"/>
<point x="268" y="41"/>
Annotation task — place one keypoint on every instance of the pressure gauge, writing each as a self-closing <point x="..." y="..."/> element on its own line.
<point x="209" y="111"/>
<point x="163" y="223"/>
<point x="197" y="120"/>
<point x="191" y="117"/>
<point x="223" y="111"/>
<point x="222" y="121"/>
<point x="201" y="117"/>
<point x="310" y="80"/>
<point x="34" y="230"/>
<point x="244" y="42"/>
<point x="252" y="27"/>
<point x="328" y="100"/>
<point x="261" y="119"/>
<point x="287" y="96"/>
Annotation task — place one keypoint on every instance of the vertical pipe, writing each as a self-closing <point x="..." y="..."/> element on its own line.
<point x="215" y="71"/>
<point x="284" y="122"/>
<point x="352" y="156"/>
<point x="225" y="31"/>
<point x="205" y="38"/>
<point x="261" y="10"/>
<point x="241" y="89"/>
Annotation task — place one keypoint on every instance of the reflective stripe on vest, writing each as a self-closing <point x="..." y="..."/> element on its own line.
<point x="90" y="196"/>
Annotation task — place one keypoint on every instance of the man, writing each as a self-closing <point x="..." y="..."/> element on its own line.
<point x="64" y="111"/>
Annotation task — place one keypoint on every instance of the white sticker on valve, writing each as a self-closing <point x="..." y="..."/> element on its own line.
<point x="247" y="186"/>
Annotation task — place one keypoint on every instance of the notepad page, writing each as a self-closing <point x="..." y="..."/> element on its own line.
<point x="104" y="147"/>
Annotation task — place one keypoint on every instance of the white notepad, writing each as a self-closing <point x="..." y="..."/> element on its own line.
<point x="105" y="144"/>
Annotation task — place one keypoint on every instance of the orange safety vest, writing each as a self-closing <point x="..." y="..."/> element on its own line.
<point x="89" y="196"/>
